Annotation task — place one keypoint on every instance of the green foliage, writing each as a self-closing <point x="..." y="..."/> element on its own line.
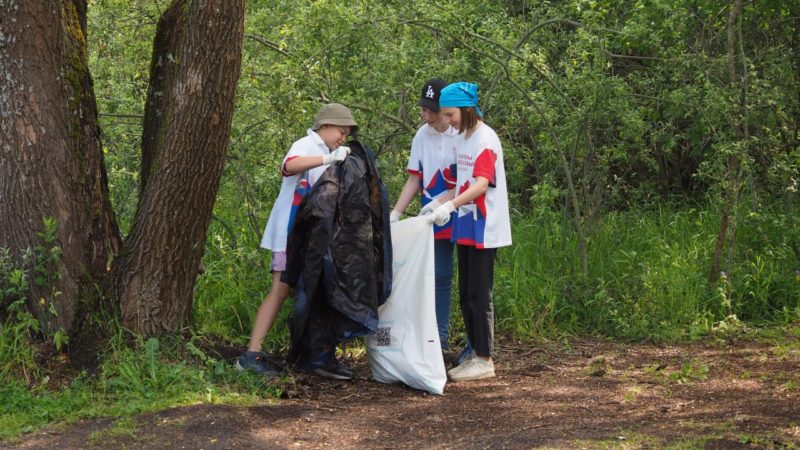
<point x="16" y="352"/>
<point x="134" y="378"/>
<point x="46" y="273"/>
<point x="13" y="281"/>
<point x="23" y="410"/>
<point x="229" y="292"/>
<point x="120" y="39"/>
<point x="689" y="371"/>
<point x="154" y="374"/>
<point x="635" y="95"/>
<point x="17" y="355"/>
<point x="139" y="375"/>
<point x="630" y="100"/>
<point x="20" y="330"/>
<point x="647" y="280"/>
<point x="47" y="255"/>
<point x="123" y="427"/>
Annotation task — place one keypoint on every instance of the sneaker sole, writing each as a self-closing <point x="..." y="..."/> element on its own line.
<point x="335" y="376"/>
<point x="457" y="369"/>
<point x="453" y="372"/>
<point x="239" y="367"/>
<point x="482" y="376"/>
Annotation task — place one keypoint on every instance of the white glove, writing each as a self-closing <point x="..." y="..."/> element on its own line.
<point x="427" y="209"/>
<point x="336" y="156"/>
<point x="441" y="215"/>
<point x="394" y="216"/>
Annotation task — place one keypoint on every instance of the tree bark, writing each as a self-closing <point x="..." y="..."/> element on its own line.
<point x="740" y="131"/>
<point x="194" y="73"/>
<point x="51" y="163"/>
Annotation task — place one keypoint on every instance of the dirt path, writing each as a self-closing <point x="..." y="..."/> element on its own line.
<point x="591" y="394"/>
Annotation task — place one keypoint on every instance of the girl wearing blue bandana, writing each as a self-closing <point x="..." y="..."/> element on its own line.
<point x="481" y="222"/>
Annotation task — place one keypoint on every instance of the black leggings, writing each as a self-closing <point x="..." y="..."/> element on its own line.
<point x="475" y="280"/>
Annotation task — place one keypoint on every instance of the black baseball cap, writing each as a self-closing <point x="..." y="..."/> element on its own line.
<point x="429" y="98"/>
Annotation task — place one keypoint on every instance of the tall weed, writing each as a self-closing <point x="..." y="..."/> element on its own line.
<point x="648" y="275"/>
<point x="228" y="294"/>
<point x="18" y="327"/>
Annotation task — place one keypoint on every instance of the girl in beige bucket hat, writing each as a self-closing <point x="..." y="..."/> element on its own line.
<point x="303" y="164"/>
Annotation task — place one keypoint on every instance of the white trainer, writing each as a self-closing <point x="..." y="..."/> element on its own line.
<point x="473" y="369"/>
<point x="460" y="366"/>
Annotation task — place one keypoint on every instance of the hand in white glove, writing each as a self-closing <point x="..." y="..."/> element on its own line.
<point x="394" y="216"/>
<point x="427" y="209"/>
<point x="336" y="156"/>
<point x="441" y="215"/>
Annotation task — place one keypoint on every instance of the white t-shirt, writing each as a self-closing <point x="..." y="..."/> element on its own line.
<point x="293" y="189"/>
<point x="433" y="160"/>
<point x="484" y="222"/>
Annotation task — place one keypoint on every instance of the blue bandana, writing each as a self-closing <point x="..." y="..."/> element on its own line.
<point x="460" y="94"/>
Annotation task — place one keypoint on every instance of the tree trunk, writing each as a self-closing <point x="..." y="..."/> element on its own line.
<point x="51" y="163"/>
<point x="740" y="132"/>
<point x="194" y="72"/>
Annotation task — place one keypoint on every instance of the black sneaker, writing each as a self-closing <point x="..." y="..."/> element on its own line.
<point x="337" y="370"/>
<point x="257" y="362"/>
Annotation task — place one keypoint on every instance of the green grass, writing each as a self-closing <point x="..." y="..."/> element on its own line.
<point x="228" y="294"/>
<point x="134" y="378"/>
<point x="647" y="278"/>
<point x="125" y="427"/>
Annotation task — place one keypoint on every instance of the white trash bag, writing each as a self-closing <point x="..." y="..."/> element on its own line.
<point x="406" y="347"/>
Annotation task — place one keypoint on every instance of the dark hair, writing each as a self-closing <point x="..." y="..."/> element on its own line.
<point x="350" y="133"/>
<point x="469" y="118"/>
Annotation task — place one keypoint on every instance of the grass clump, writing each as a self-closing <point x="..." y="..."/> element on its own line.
<point x="135" y="377"/>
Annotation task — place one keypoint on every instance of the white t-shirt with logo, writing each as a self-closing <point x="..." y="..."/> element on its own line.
<point x="293" y="189"/>
<point x="433" y="160"/>
<point x="484" y="222"/>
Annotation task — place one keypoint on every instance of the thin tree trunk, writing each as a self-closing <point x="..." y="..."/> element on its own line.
<point x="194" y="73"/>
<point x="745" y="130"/>
<point x="739" y="130"/>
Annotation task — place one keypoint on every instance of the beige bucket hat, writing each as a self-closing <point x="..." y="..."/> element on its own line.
<point x="335" y="114"/>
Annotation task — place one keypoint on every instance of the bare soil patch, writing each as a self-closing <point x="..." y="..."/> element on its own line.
<point x="586" y="394"/>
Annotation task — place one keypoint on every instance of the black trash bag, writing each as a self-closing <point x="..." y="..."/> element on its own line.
<point x="339" y="258"/>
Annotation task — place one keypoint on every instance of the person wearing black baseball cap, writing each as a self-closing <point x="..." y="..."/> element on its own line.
<point x="431" y="172"/>
<point x="429" y="99"/>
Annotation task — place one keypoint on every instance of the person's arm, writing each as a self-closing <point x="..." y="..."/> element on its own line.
<point x="300" y="164"/>
<point x="437" y="201"/>
<point x="446" y="196"/>
<point x="441" y="215"/>
<point x="477" y="189"/>
<point x="410" y="189"/>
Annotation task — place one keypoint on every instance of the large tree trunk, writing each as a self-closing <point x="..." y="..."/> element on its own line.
<point x="51" y="163"/>
<point x="194" y="72"/>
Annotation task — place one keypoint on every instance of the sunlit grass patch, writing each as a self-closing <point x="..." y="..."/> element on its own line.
<point x="135" y="377"/>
